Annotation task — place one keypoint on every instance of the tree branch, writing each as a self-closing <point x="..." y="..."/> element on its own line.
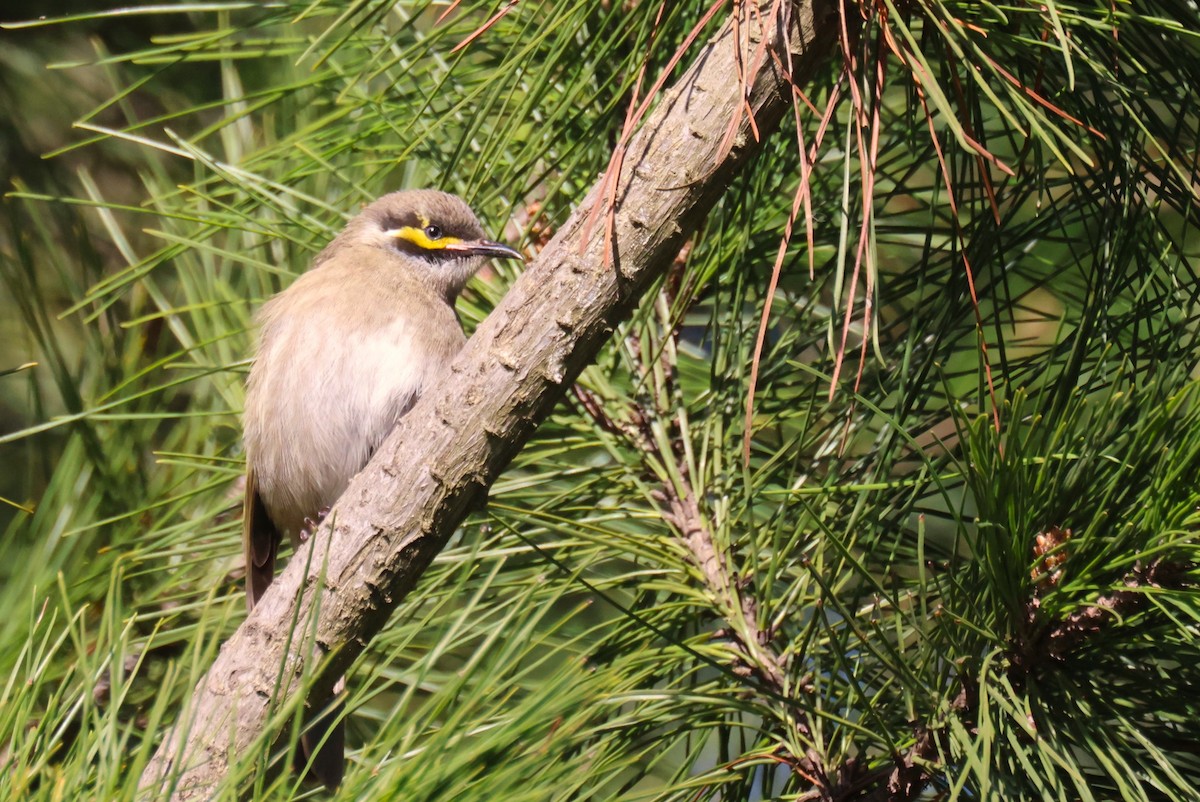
<point x="396" y="515"/>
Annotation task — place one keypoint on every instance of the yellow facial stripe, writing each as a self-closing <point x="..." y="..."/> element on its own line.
<point x="418" y="237"/>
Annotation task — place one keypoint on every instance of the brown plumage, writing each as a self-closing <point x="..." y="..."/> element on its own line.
<point x="343" y="354"/>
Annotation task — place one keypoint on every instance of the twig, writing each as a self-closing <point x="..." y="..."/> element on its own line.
<point x="678" y="503"/>
<point x="396" y="515"/>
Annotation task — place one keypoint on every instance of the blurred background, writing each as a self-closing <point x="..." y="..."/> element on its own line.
<point x="962" y="541"/>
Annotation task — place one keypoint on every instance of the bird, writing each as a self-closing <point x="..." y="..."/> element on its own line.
<point x="344" y="353"/>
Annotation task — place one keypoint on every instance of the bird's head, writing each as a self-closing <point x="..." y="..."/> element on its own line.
<point x="435" y="233"/>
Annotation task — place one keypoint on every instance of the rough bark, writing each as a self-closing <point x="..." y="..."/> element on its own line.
<point x="439" y="463"/>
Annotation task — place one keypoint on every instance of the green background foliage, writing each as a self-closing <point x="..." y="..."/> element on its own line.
<point x="881" y="597"/>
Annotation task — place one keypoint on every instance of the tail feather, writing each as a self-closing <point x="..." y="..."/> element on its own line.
<point x="323" y="744"/>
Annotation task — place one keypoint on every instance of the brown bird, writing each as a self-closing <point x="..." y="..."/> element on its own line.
<point x="344" y="352"/>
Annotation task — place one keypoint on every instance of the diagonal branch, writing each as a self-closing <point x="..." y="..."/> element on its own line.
<point x="438" y="464"/>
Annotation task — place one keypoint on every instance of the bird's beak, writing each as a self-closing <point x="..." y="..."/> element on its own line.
<point x="484" y="247"/>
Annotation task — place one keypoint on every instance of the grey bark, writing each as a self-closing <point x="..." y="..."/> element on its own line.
<point x="439" y="463"/>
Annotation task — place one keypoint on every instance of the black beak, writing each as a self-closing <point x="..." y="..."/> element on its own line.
<point x="485" y="247"/>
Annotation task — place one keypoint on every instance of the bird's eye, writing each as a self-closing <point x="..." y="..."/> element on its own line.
<point x="433" y="232"/>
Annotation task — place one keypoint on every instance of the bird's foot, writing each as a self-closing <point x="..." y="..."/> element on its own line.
<point x="310" y="525"/>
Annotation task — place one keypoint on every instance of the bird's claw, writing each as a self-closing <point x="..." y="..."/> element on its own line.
<point x="310" y="524"/>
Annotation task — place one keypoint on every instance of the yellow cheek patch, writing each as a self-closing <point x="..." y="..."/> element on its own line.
<point x="418" y="237"/>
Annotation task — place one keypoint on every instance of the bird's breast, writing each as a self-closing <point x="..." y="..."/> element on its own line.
<point x="318" y="405"/>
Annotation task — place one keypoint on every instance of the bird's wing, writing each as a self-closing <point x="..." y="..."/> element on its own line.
<point x="260" y="539"/>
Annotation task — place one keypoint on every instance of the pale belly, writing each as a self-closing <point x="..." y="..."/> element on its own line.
<point x="317" y="407"/>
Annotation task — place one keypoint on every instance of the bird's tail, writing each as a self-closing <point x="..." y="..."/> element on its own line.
<point x="323" y="744"/>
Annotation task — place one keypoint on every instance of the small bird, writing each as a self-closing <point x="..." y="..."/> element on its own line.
<point x="343" y="354"/>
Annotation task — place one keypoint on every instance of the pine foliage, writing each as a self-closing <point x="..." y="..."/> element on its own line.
<point x="958" y="560"/>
